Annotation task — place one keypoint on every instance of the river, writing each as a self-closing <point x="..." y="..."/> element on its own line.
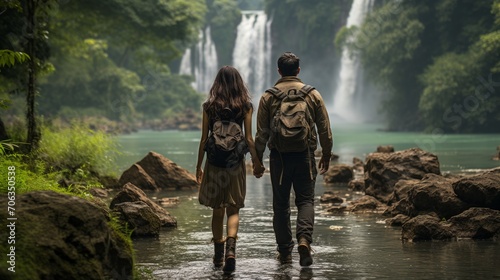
<point x="347" y="246"/>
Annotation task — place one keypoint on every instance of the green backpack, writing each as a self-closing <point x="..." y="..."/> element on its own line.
<point x="291" y="125"/>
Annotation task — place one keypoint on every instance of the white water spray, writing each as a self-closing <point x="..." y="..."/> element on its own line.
<point x="348" y="98"/>
<point x="206" y="65"/>
<point x="252" y="51"/>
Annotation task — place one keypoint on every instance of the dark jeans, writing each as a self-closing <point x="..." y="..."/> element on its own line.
<point x="297" y="170"/>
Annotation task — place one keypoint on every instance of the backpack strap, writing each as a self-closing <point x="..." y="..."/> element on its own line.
<point x="306" y="89"/>
<point x="276" y="92"/>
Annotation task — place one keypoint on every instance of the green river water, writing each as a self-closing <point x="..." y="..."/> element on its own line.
<point x="347" y="246"/>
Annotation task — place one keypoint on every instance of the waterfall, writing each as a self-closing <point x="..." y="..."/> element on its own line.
<point x="205" y="64"/>
<point x="350" y="96"/>
<point x="252" y="51"/>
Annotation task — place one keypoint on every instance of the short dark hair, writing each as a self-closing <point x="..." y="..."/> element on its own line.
<point x="288" y="64"/>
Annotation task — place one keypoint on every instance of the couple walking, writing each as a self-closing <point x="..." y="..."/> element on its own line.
<point x="223" y="188"/>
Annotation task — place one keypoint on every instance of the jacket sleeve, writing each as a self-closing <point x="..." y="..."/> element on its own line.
<point x="323" y="125"/>
<point x="263" y="129"/>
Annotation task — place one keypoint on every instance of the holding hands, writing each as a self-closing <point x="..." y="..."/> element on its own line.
<point x="258" y="170"/>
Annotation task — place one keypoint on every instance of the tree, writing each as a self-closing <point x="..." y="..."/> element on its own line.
<point x="402" y="40"/>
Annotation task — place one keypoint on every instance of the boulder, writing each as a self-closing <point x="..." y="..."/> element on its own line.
<point x="425" y="227"/>
<point x="367" y="203"/>
<point x="357" y="185"/>
<point x="398" y="220"/>
<point x="432" y="194"/>
<point x="476" y="223"/>
<point x="358" y="164"/>
<point x="482" y="190"/>
<point x="131" y="193"/>
<point x="65" y="237"/>
<point x="384" y="170"/>
<point x="139" y="217"/>
<point x="339" y="173"/>
<point x="166" y="173"/>
<point x="155" y="172"/>
<point x="331" y="197"/>
<point x="385" y="149"/>
<point x="139" y="177"/>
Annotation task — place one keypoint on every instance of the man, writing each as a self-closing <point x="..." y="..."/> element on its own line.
<point x="290" y="167"/>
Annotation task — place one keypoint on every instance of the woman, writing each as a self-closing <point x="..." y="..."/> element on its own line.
<point x="223" y="189"/>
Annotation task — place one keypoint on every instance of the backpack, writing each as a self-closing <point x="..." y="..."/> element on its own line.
<point x="226" y="145"/>
<point x="291" y="125"/>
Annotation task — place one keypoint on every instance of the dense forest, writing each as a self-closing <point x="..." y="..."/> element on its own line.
<point x="436" y="61"/>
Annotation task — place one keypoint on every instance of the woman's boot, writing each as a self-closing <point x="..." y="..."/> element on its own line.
<point x="230" y="258"/>
<point x="218" y="253"/>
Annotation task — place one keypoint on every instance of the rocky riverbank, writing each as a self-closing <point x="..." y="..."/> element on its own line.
<point x="407" y="188"/>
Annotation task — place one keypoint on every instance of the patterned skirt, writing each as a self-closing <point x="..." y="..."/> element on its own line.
<point x="222" y="187"/>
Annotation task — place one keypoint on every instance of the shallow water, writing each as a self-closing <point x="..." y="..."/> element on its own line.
<point x="347" y="246"/>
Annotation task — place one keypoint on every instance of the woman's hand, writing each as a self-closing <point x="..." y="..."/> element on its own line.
<point x="199" y="175"/>
<point x="258" y="170"/>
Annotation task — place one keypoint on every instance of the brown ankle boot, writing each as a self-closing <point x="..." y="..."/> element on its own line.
<point x="230" y="258"/>
<point x="218" y="254"/>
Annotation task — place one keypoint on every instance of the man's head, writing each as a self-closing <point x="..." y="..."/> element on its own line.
<point x="288" y="64"/>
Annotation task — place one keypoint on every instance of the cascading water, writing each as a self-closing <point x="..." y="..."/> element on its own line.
<point x="252" y="51"/>
<point x="206" y="65"/>
<point x="349" y="98"/>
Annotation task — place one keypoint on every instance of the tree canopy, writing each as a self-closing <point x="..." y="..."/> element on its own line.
<point x="437" y="62"/>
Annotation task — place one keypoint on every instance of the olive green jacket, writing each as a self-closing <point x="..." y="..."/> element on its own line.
<point x="268" y="105"/>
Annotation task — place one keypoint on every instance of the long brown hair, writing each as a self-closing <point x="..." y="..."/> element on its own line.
<point x="228" y="91"/>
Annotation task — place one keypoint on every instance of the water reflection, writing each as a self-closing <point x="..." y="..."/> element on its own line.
<point x="346" y="246"/>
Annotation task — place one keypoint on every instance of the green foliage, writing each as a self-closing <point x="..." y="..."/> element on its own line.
<point x="28" y="178"/>
<point x="7" y="145"/>
<point x="427" y="56"/>
<point x="78" y="149"/>
<point x="10" y="58"/>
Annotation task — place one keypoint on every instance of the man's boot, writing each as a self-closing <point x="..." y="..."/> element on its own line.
<point x="218" y="253"/>
<point x="305" y="252"/>
<point x="230" y="258"/>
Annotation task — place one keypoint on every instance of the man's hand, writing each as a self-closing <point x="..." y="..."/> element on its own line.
<point x="258" y="171"/>
<point x="324" y="164"/>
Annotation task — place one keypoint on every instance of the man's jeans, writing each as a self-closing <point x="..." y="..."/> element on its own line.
<point x="297" y="170"/>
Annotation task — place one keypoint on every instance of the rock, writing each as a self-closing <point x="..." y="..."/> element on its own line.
<point x="331" y="197"/>
<point x="482" y="190"/>
<point x="166" y="173"/>
<point x="339" y="173"/>
<point x="384" y="170"/>
<point x="131" y="193"/>
<point x="401" y="189"/>
<point x="425" y="227"/>
<point x="98" y="192"/>
<point x="385" y="149"/>
<point x="398" y="220"/>
<point x="168" y="201"/>
<point x="432" y="194"/>
<point x="139" y="177"/>
<point x="66" y="237"/>
<point x="337" y="209"/>
<point x="357" y="185"/>
<point x="139" y="217"/>
<point x="367" y="204"/>
<point x="358" y="164"/>
<point x="476" y="223"/>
